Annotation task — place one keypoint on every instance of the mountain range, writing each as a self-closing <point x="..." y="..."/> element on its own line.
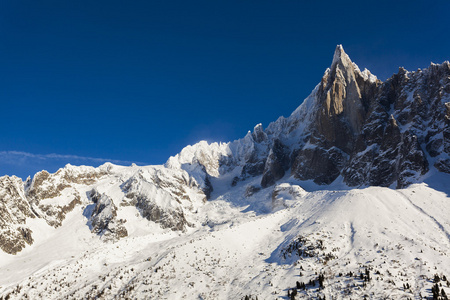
<point x="347" y="198"/>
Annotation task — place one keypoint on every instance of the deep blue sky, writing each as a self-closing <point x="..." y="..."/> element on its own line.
<point x="138" y="80"/>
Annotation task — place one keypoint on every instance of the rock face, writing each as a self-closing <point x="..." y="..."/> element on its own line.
<point x="14" y="211"/>
<point x="352" y="126"/>
<point x="367" y="131"/>
<point x="103" y="220"/>
<point x="342" y="102"/>
<point x="154" y="203"/>
<point x="276" y="164"/>
<point x="357" y="127"/>
<point x="52" y="196"/>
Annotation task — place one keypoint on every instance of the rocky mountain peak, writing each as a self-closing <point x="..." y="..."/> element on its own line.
<point x="258" y="134"/>
<point x="343" y="99"/>
<point x="340" y="58"/>
<point x="372" y="132"/>
<point x="355" y="126"/>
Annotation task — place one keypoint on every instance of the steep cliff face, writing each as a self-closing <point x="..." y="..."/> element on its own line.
<point x="342" y="102"/>
<point x="14" y="211"/>
<point x="52" y="196"/>
<point x="355" y="126"/>
<point x="407" y="123"/>
<point x="352" y="125"/>
<point x="103" y="220"/>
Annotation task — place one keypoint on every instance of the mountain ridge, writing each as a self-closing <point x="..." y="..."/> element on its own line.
<point x="353" y="130"/>
<point x="352" y="125"/>
<point x="350" y="114"/>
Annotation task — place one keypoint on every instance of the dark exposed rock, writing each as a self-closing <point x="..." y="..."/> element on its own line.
<point x="155" y="204"/>
<point x="258" y="134"/>
<point x="103" y="220"/>
<point x="208" y="188"/>
<point x="321" y="165"/>
<point x="251" y="190"/>
<point x="343" y="99"/>
<point x="443" y="165"/>
<point x="276" y="164"/>
<point x="253" y="167"/>
<point x="14" y="211"/>
<point x="45" y="186"/>
<point x="371" y="132"/>
<point x="13" y="241"/>
<point x="235" y="181"/>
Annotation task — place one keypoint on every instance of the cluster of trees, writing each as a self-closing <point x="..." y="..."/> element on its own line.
<point x="438" y="294"/>
<point x="436" y="290"/>
<point x="302" y="286"/>
<point x="366" y="275"/>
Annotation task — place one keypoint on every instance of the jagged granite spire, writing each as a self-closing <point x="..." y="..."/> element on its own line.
<point x="343" y="102"/>
<point x="344" y="128"/>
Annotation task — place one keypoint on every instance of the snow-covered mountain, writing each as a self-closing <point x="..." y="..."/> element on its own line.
<point x="347" y="198"/>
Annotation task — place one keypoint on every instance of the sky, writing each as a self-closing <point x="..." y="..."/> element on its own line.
<point x="85" y="82"/>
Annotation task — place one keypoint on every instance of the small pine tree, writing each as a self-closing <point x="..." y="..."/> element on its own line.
<point x="321" y="280"/>
<point x="293" y="294"/>
<point x="368" y="275"/>
<point x="435" y="291"/>
<point x="436" y="278"/>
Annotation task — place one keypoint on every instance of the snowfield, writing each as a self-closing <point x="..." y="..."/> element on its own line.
<point x="372" y="242"/>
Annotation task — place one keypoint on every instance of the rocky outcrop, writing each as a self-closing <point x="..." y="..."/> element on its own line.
<point x="352" y="126"/>
<point x="284" y="192"/>
<point x="276" y="164"/>
<point x="154" y="203"/>
<point x="342" y="102"/>
<point x="14" y="211"/>
<point x="374" y="133"/>
<point x="103" y="220"/>
<point x="52" y="196"/>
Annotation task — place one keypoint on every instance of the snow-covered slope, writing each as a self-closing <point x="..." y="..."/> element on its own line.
<point x="401" y="238"/>
<point x="271" y="215"/>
